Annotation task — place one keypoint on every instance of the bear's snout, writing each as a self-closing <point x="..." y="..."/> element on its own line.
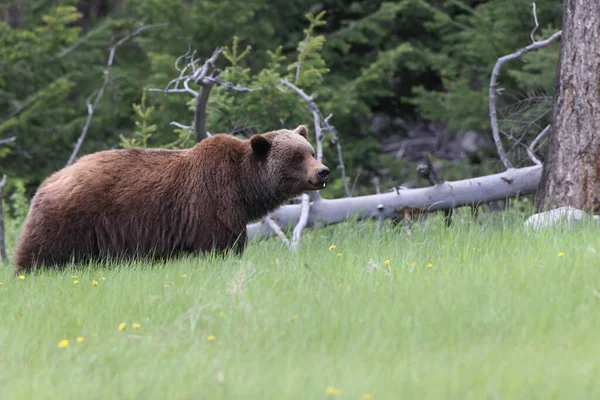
<point x="323" y="173"/>
<point x="322" y="177"/>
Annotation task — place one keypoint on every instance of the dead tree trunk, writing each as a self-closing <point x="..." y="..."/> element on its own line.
<point x="571" y="173"/>
<point x="447" y="195"/>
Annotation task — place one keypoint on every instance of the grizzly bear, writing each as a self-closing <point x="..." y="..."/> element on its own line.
<point x="157" y="203"/>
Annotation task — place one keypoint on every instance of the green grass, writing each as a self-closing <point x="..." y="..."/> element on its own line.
<point x="499" y="316"/>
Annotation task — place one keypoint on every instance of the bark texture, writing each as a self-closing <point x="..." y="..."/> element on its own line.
<point x="571" y="174"/>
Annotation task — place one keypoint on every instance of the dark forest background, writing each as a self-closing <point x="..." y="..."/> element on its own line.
<point x="403" y="79"/>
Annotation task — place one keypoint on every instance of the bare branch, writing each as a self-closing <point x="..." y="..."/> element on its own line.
<point x="8" y="140"/>
<point x="105" y="83"/>
<point x="318" y="130"/>
<point x="336" y="140"/>
<point x="90" y="109"/>
<point x="135" y="33"/>
<point x="539" y="137"/>
<point x="3" y="255"/>
<point x="178" y="125"/>
<point x="532" y="157"/>
<point x="304" y="210"/>
<point x="273" y="225"/>
<point x="78" y="42"/>
<point x="205" y="76"/>
<point x="187" y="90"/>
<point x="207" y="67"/>
<point x="72" y="47"/>
<point x="493" y="89"/>
<point x="229" y="86"/>
<point x="531" y="148"/>
<point x="315" y="112"/>
<point x="536" y="22"/>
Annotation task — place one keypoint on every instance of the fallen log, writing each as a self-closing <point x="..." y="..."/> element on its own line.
<point x="442" y="196"/>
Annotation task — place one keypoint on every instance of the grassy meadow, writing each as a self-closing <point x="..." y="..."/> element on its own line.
<point x="481" y="310"/>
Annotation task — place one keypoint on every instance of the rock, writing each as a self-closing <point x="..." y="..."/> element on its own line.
<point x="563" y="215"/>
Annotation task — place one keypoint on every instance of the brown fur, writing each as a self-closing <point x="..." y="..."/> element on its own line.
<point x="156" y="203"/>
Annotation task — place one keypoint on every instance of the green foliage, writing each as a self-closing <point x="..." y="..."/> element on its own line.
<point x="232" y="54"/>
<point x="34" y="84"/>
<point x="50" y="67"/>
<point x="145" y="129"/>
<point x="310" y="67"/>
<point x="15" y="204"/>
<point x="271" y="107"/>
<point x="408" y="59"/>
<point x="472" y="39"/>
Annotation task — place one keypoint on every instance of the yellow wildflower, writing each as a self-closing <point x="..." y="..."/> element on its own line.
<point x="63" y="343"/>
<point x="103" y="279"/>
<point x="95" y="283"/>
<point x="122" y="326"/>
<point x="211" y="338"/>
<point x="367" y="396"/>
<point x="21" y="277"/>
<point x="73" y="276"/>
<point x="339" y="254"/>
<point x="221" y="314"/>
<point x="136" y="326"/>
<point x="332" y="247"/>
<point x="561" y="254"/>
<point x="295" y="317"/>
<point x="183" y="275"/>
<point x="75" y="282"/>
<point x="387" y="262"/>
<point x="331" y="391"/>
<point x="430" y="265"/>
<point x="79" y="339"/>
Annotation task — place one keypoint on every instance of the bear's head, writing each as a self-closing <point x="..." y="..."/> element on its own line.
<point x="289" y="160"/>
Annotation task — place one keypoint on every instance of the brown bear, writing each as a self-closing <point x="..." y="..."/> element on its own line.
<point x="156" y="203"/>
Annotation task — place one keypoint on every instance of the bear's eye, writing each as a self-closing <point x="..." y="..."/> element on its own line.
<point x="298" y="158"/>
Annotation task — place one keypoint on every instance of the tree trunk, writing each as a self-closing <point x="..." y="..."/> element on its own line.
<point x="571" y="174"/>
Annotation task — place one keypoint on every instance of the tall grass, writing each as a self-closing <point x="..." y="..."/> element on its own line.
<point x="480" y="310"/>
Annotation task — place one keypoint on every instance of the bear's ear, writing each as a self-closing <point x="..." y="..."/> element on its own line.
<point x="260" y="145"/>
<point x="302" y="131"/>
